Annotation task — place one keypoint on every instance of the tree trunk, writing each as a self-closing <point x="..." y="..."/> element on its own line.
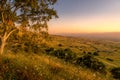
<point x="4" y="39"/>
<point x="2" y="45"/>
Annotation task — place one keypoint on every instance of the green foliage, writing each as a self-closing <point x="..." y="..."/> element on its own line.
<point x="34" y="10"/>
<point x="86" y="61"/>
<point x="116" y="73"/>
<point x="69" y="54"/>
<point x="49" y="50"/>
<point x="59" y="53"/>
<point x="66" y="54"/>
<point x="33" y="17"/>
<point x="27" y="42"/>
<point x="90" y="62"/>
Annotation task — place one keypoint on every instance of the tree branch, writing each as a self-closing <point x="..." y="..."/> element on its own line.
<point x="12" y="7"/>
<point x="2" y="18"/>
<point x="17" y="7"/>
<point x="10" y="33"/>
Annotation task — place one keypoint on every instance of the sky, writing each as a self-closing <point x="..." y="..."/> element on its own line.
<point x="86" y="16"/>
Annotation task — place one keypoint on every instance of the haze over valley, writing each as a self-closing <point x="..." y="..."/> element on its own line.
<point x="115" y="36"/>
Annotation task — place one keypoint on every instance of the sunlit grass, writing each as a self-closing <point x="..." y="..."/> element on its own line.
<point x="43" y="67"/>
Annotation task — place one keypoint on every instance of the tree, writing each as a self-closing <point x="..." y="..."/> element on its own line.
<point x="28" y="14"/>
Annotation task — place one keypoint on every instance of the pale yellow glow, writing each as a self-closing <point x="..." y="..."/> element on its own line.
<point x="103" y="23"/>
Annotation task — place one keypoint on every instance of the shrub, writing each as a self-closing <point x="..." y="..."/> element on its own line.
<point x="69" y="54"/>
<point x="49" y="50"/>
<point x="116" y="73"/>
<point x="89" y="61"/>
<point x="66" y="54"/>
<point x="95" y="54"/>
<point x="59" y="53"/>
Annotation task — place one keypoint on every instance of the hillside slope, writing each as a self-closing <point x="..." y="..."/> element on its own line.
<point x="44" y="66"/>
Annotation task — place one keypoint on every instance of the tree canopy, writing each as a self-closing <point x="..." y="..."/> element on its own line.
<point x="32" y="14"/>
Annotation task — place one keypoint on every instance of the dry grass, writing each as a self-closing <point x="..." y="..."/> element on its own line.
<point x="43" y="67"/>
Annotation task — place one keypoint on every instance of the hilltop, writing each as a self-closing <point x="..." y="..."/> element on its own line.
<point x="57" y="60"/>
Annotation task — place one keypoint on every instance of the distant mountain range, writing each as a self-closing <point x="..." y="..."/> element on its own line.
<point x="107" y="35"/>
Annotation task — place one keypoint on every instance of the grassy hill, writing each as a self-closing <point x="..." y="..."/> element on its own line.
<point x="45" y="65"/>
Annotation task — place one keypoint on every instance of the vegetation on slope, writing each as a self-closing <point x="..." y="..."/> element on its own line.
<point x="27" y="59"/>
<point x="41" y="67"/>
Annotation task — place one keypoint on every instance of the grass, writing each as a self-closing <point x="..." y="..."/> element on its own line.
<point x="106" y="48"/>
<point x="29" y="66"/>
<point x="41" y="67"/>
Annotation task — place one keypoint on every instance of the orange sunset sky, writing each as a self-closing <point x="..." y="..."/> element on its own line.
<point x="86" y="16"/>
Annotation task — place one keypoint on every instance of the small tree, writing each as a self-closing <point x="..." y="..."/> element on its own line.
<point x="28" y="14"/>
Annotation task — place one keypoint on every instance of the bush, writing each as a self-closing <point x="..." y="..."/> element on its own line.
<point x="59" y="53"/>
<point x="89" y="61"/>
<point x="69" y="54"/>
<point x="116" y="73"/>
<point x="95" y="54"/>
<point x="49" y="50"/>
<point x="66" y="54"/>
